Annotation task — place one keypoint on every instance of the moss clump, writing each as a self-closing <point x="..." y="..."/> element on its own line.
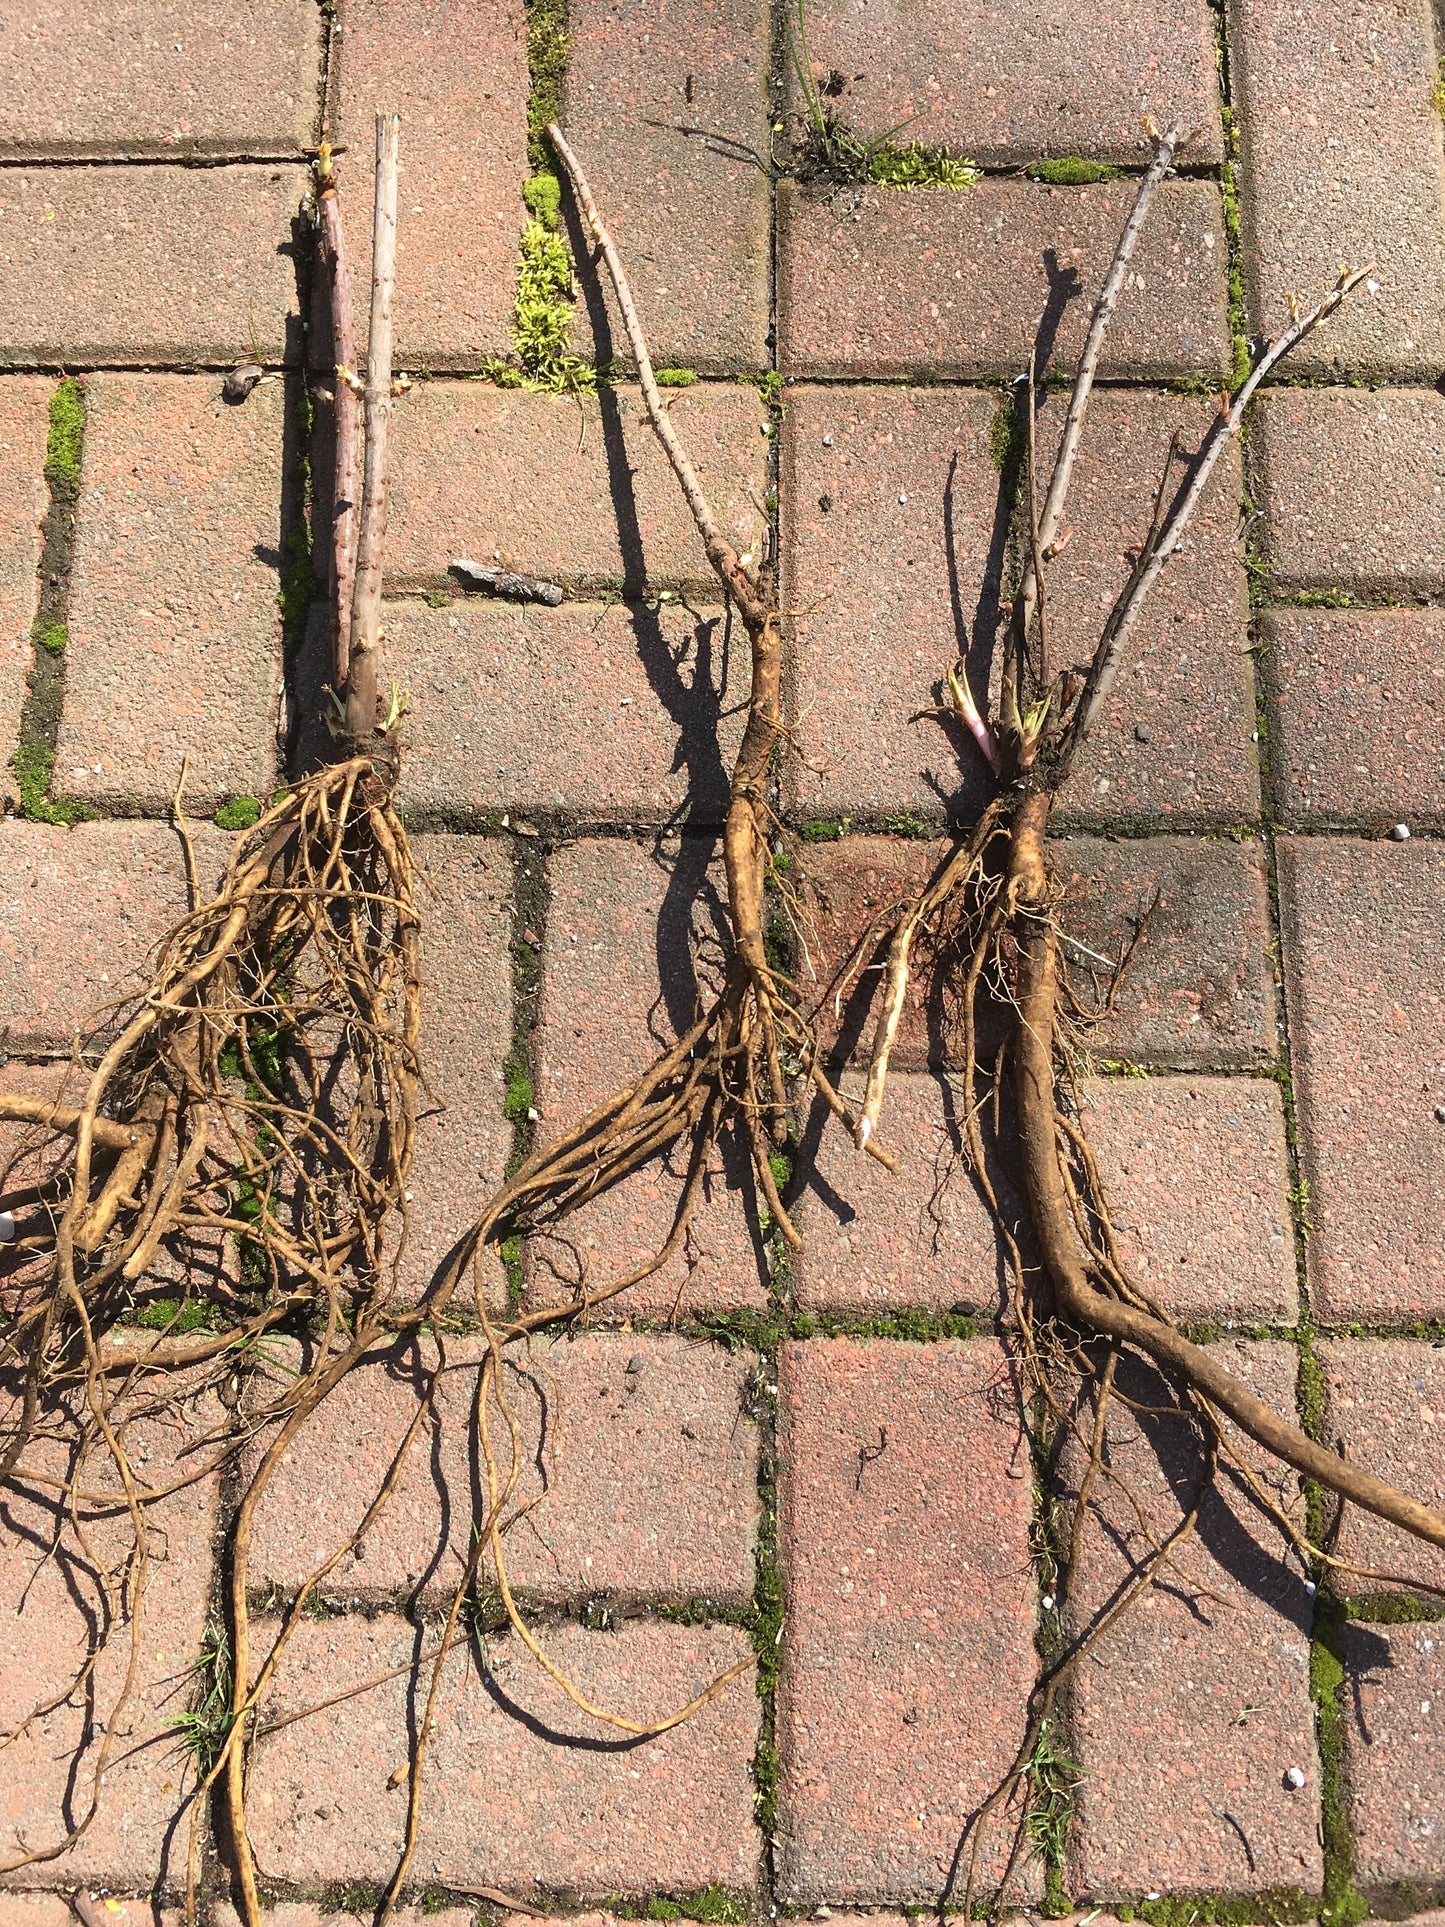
<point x="549" y="46"/>
<point x="239" y="813"/>
<point x="908" y="825"/>
<point x="173" y="1315"/>
<point x="824" y="829"/>
<point x="52" y="636"/>
<point x="62" y="444"/>
<point x="1070" y="171"/>
<point x="1343" y="1905"/>
<point x="1279" y="1906"/>
<point x="674" y="377"/>
<point x="915" y="166"/>
<point x="518" y="1101"/>
<point x="543" y="198"/>
<point x="34" y="764"/>
<point x="1229" y="194"/>
<point x="542" y="319"/>
<point x="1394" y="1609"/>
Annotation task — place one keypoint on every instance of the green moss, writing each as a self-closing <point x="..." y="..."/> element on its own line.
<point x="1070" y="171"/>
<point x="1437" y="92"/>
<point x="203" y="1727"/>
<point x="661" y="1908"/>
<point x="238" y="813"/>
<point x="1229" y="193"/>
<point x="543" y="197"/>
<point x="63" y="443"/>
<point x="1276" y="1906"/>
<point x="1394" y="1609"/>
<point x="1343" y="1905"/>
<point x="1054" y="1780"/>
<point x="1321" y="599"/>
<point x="718" y="1904"/>
<point x="549" y="46"/>
<point x="34" y="764"/>
<point x="542" y="321"/>
<point x="908" y="825"/>
<point x="674" y="377"/>
<point x="916" y="166"/>
<point x="824" y="829"/>
<point x="765" y="1788"/>
<point x="519" y="1098"/>
<point x="175" y="1315"/>
<point x="50" y="635"/>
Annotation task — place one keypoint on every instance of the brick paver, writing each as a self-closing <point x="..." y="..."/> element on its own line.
<point x="579" y="493"/>
<point x="954" y="282"/>
<point x="310" y="1913"/>
<point x="1394" y="1703"/>
<point x="1191" y="1710"/>
<point x="1387" y="1410"/>
<point x="909" y="1651"/>
<point x="667" y="104"/>
<point x="615" y="714"/>
<point x="175" y="634"/>
<point x="1196" y="1173"/>
<point x="79" y="913"/>
<point x="650" y="1483"/>
<point x="461" y="92"/>
<point x="241" y="78"/>
<point x="162" y="266"/>
<point x="1195" y="1169"/>
<point x="462" y="1137"/>
<point x="1352" y="486"/>
<point x="53" y="1605"/>
<point x="24" y="498"/>
<point x="616" y="984"/>
<point x="1342" y="162"/>
<point x="1362" y="924"/>
<point x="509" y="1806"/>
<point x="1005" y="87"/>
<point x="1357" y="715"/>
<point x="1197" y="993"/>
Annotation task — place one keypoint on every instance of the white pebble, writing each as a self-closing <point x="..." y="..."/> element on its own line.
<point x="903" y="498"/>
<point x="1311" y="1588"/>
<point x="1400" y="833"/>
<point x="1295" y="1778"/>
<point x="7" y="1227"/>
<point x="1048" y="1602"/>
<point x="827" y="441"/>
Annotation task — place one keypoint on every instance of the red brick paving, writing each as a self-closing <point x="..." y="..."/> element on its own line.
<point x="1357" y="708"/>
<point x="178" y="267"/>
<point x="1387" y="1410"/>
<point x="52" y="1607"/>
<point x="577" y="492"/>
<point x="24" y="498"/>
<point x="79" y="913"/>
<point x="1196" y="1173"/>
<point x="939" y="281"/>
<point x="1197" y="993"/>
<point x="508" y="1805"/>
<point x="1006" y="88"/>
<point x="175" y="634"/>
<point x="909" y="1651"/>
<point x="1188" y="1713"/>
<point x="875" y="1241"/>
<point x="618" y="928"/>
<point x="1394" y="1704"/>
<point x="650" y="1489"/>
<point x="615" y="713"/>
<point x="1340" y="145"/>
<point x="1352" y="488"/>
<point x="239" y="78"/>
<point x="1362" y="924"/>
<point x="463" y="1138"/>
<point x="462" y="97"/>
<point x="668" y="106"/>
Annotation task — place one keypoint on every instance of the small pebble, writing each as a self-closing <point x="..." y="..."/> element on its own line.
<point x="1048" y="1602"/>
<point x="634" y="1364"/>
<point x="1440" y="1113"/>
<point x="827" y="441"/>
<point x="1311" y="1588"/>
<point x="1400" y="833"/>
<point x="1141" y="735"/>
<point x="902" y="498"/>
<point x="7" y="1227"/>
<point x="1295" y="1778"/>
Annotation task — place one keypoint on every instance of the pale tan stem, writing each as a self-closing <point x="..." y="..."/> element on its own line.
<point x="105" y="1133"/>
<point x="366" y="603"/>
<point x="720" y="552"/>
<point x="346" y="428"/>
<point x="1126" y="610"/>
<point x="1053" y="509"/>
